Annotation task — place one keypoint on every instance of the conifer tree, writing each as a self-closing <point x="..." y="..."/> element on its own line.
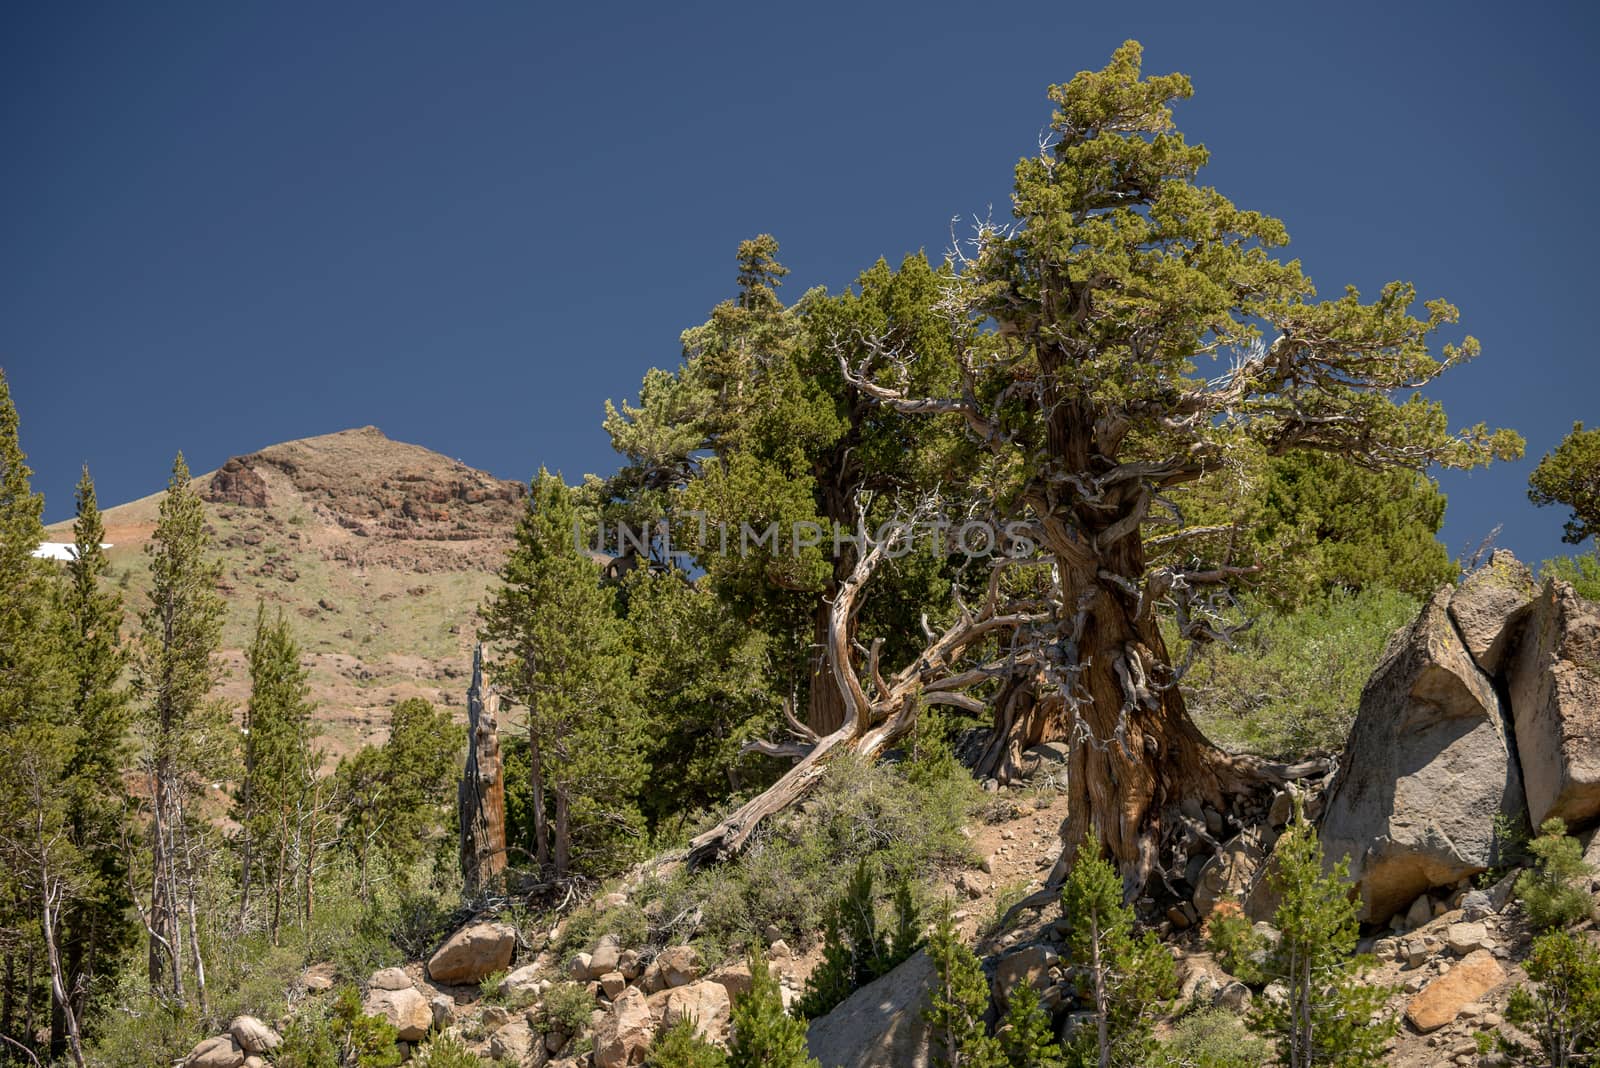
<point x="183" y="731"/>
<point x="1329" y="1016"/>
<point x="95" y="932"/>
<point x="276" y="801"/>
<point x="1125" y="977"/>
<point x="956" y="1010"/>
<point x="562" y="653"/>
<point x="1025" y="1035"/>
<point x="764" y="1035"/>
<point x="680" y="1046"/>
<point x="40" y="868"/>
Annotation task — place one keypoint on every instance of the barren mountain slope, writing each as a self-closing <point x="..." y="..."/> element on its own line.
<point x="379" y="552"/>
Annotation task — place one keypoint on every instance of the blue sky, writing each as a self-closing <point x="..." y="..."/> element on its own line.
<point x="227" y="225"/>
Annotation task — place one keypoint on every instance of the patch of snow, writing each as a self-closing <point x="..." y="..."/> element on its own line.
<point x="59" y="550"/>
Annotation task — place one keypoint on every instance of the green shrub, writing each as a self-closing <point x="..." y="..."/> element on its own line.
<point x="1328" y="1016"/>
<point x="446" y="1051"/>
<point x="1233" y="940"/>
<point x="1211" y="1038"/>
<point x="1128" y="977"/>
<point x="801" y="861"/>
<point x="309" y="1041"/>
<point x="855" y="949"/>
<point x="764" y="1035"/>
<point x="1025" y="1036"/>
<point x="1562" y="1011"/>
<point x="958" y="1003"/>
<point x="1292" y="681"/>
<point x="680" y="1046"/>
<point x="566" y="1009"/>
<point x="367" y="1041"/>
<point x="1554" y="892"/>
<point x="489" y="986"/>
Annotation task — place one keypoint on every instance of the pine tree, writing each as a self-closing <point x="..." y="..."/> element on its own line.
<point x="1025" y="1035"/>
<point x="956" y="1010"/>
<point x="41" y="871"/>
<point x="396" y="797"/>
<point x="764" y="1035"/>
<point x="1561" y="1012"/>
<point x="275" y="808"/>
<point x="95" y="931"/>
<point x="183" y="731"/>
<point x="1555" y="891"/>
<point x="1329" y="1016"/>
<point x="1125" y="977"/>
<point x="562" y="653"/>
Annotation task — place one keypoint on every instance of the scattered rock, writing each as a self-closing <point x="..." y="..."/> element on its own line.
<point x="605" y="957"/>
<point x="705" y="1002"/>
<point x="613" y="983"/>
<point x="407" y="1010"/>
<point x="444" y="1010"/>
<point x="515" y="1043"/>
<point x="1030" y="965"/>
<point x="1555" y="703"/>
<point x="520" y="983"/>
<point x="472" y="953"/>
<point x="679" y="965"/>
<point x="1463" y="938"/>
<point x="254" y="1036"/>
<point x="880" y="1024"/>
<point x="1439" y="1002"/>
<point x="318" y="978"/>
<point x="1420" y="912"/>
<point x="1426" y="770"/>
<point x="220" y="1052"/>
<point x="389" y="979"/>
<point x="579" y="967"/>
<point x="625" y="1033"/>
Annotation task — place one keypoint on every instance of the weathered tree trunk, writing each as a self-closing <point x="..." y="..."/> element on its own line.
<point x="165" y="961"/>
<point x="541" y="829"/>
<point x="824" y="699"/>
<point x="50" y="912"/>
<point x="563" y="834"/>
<point x="482" y="797"/>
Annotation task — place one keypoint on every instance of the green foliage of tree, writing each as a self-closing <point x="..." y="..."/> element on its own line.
<point x="1125" y="977"/>
<point x="185" y="737"/>
<point x="680" y="1046"/>
<point x="1233" y="940"/>
<point x="1582" y="571"/>
<point x="758" y="431"/>
<point x="1145" y="335"/>
<point x="764" y="1035"/>
<point x="1291" y="680"/>
<point x="703" y="675"/>
<point x="562" y="653"/>
<point x="277" y="807"/>
<point x="856" y="950"/>
<point x="1561" y="1012"/>
<point x="397" y="799"/>
<point x="1555" y="892"/>
<point x="1329" y="1017"/>
<point x="1026" y="1038"/>
<point x="1570" y="476"/>
<point x="958" y="1004"/>
<point x="95" y="930"/>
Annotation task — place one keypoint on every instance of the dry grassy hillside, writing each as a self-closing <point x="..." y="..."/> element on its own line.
<point x="379" y="552"/>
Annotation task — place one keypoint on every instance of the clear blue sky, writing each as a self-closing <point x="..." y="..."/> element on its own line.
<point x="230" y="224"/>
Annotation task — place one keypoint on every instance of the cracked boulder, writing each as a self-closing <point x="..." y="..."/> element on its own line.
<point x="1428" y="766"/>
<point x="1555" y="704"/>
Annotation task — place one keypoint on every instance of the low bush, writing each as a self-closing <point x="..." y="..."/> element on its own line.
<point x="1554" y="892"/>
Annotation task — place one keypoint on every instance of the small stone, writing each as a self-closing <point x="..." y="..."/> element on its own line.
<point x="780" y="950"/>
<point x="1420" y="912"/>
<point x="613" y="983"/>
<point x="1463" y="938"/>
<point x="495" y="1017"/>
